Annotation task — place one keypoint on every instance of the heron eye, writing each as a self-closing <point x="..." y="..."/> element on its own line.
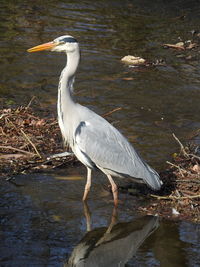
<point x="61" y="42"/>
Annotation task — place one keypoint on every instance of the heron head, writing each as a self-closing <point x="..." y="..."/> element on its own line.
<point x="65" y="43"/>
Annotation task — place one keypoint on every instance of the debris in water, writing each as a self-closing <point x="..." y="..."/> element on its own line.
<point x="134" y="60"/>
<point x="179" y="46"/>
<point x="175" y="212"/>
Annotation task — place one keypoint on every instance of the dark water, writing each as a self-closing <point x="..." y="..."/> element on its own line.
<point x="44" y="223"/>
<point x="43" y="219"/>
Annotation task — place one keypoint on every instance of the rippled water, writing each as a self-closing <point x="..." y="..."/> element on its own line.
<point x="157" y="102"/>
<point x="42" y="221"/>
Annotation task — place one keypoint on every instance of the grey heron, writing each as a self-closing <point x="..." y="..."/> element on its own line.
<point x="94" y="141"/>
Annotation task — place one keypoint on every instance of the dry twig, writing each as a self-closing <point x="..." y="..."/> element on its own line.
<point x="178" y="167"/>
<point x="30" y="102"/>
<point x="183" y="149"/>
<point x="174" y="197"/>
<point x="17" y="149"/>
<point x="112" y="111"/>
<point x="181" y="145"/>
<point x="29" y="140"/>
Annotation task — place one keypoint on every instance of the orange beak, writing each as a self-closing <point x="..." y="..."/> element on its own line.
<point x="46" y="46"/>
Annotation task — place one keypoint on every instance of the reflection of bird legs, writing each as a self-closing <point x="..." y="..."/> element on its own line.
<point x="109" y="229"/>
<point x="87" y="216"/>
<point x="88" y="219"/>
<point x="113" y="220"/>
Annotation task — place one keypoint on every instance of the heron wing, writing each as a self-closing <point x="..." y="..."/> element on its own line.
<point x="110" y="150"/>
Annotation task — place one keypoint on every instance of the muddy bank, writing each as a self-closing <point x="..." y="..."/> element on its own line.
<point x="28" y="139"/>
<point x="180" y="196"/>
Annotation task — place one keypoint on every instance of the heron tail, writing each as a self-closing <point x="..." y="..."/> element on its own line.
<point x="153" y="179"/>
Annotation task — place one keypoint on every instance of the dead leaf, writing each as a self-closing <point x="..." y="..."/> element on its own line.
<point x="196" y="168"/>
<point x="192" y="45"/>
<point x="40" y="123"/>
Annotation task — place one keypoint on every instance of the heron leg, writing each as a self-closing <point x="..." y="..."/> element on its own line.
<point x="114" y="189"/>
<point x="88" y="184"/>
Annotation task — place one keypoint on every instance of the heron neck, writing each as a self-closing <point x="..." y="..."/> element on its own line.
<point x="65" y="87"/>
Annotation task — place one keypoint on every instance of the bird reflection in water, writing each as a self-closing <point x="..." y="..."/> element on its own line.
<point x="112" y="246"/>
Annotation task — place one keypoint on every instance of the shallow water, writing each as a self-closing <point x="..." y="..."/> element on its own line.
<point x="44" y="223"/>
<point x="43" y="218"/>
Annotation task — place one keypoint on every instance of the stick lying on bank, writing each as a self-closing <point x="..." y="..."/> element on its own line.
<point x="174" y="197"/>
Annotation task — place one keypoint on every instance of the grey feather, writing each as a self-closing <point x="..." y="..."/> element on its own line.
<point x="111" y="151"/>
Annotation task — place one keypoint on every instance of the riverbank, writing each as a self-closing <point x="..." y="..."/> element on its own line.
<point x="27" y="141"/>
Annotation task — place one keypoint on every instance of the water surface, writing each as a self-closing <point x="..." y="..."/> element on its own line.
<point x="42" y="220"/>
<point x="44" y="223"/>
